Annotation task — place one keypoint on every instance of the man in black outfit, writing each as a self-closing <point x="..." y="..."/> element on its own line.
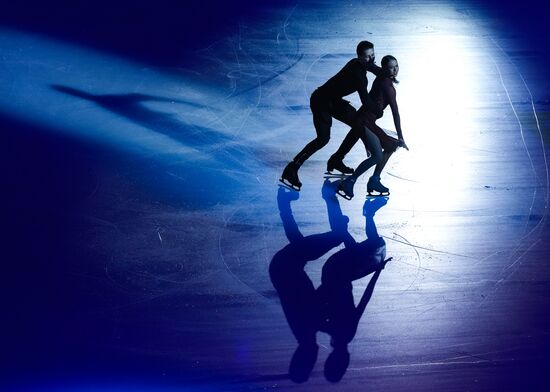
<point x="326" y="102"/>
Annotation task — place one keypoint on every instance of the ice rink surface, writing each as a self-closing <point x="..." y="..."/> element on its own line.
<point x="143" y="213"/>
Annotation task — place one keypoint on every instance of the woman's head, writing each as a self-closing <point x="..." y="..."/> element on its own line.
<point x="390" y="67"/>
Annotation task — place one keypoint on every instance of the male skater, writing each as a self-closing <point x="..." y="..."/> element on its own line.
<point x="326" y="102"/>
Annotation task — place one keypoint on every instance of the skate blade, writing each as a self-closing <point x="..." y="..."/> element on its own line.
<point x="379" y="194"/>
<point x="341" y="193"/>
<point x="335" y="175"/>
<point x="289" y="185"/>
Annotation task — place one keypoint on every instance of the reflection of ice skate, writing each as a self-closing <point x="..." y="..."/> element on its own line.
<point x="290" y="177"/>
<point x="373" y="204"/>
<point x="302" y="362"/>
<point x="345" y="188"/>
<point x="375" y="188"/>
<point x="337" y="164"/>
<point x="287" y="195"/>
<point x="337" y="363"/>
<point x="328" y="191"/>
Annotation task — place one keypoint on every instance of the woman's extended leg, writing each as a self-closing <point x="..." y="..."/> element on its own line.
<point x="380" y="166"/>
<point x="373" y="145"/>
<point x="374" y="186"/>
<point x="389" y="144"/>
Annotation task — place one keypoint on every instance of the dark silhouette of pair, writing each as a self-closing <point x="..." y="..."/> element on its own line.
<point x="329" y="308"/>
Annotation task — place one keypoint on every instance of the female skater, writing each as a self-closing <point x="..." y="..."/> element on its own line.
<point x="380" y="145"/>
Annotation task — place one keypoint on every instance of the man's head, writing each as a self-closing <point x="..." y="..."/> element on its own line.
<point x="365" y="52"/>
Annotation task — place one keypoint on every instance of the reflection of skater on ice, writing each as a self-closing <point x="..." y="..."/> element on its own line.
<point x="326" y="102"/>
<point x="380" y="145"/>
<point x="296" y="291"/>
<point x="340" y="316"/>
<point x="331" y="307"/>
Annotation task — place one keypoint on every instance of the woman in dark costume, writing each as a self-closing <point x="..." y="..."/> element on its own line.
<point x="380" y="145"/>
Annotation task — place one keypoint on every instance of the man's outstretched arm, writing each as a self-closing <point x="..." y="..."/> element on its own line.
<point x="362" y="83"/>
<point x="375" y="69"/>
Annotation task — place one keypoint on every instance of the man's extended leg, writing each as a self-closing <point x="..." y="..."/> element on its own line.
<point x="322" y="120"/>
<point x="336" y="159"/>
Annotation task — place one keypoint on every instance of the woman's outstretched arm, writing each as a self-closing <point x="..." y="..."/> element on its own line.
<point x="389" y="91"/>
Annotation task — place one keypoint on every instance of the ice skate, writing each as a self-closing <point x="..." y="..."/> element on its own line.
<point x="290" y="177"/>
<point x="375" y="188"/>
<point x="345" y="188"/>
<point x="337" y="164"/>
